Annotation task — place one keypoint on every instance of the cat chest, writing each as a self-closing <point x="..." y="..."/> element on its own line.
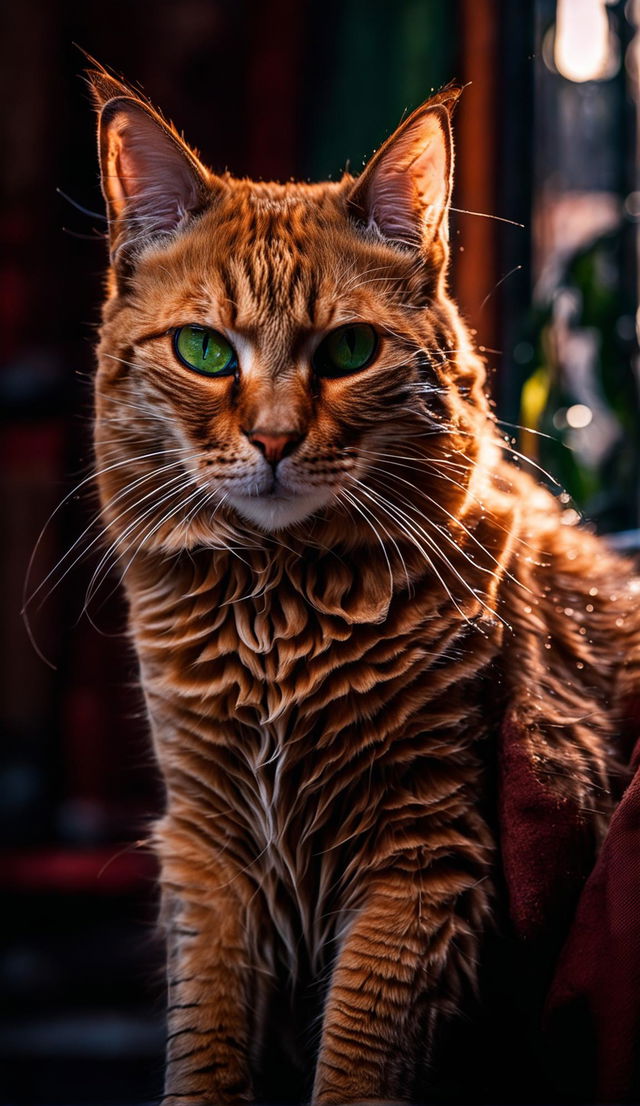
<point x="303" y="758"/>
<point x="293" y="859"/>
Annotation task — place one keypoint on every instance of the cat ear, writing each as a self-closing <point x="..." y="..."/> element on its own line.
<point x="405" y="189"/>
<point x="151" y="179"/>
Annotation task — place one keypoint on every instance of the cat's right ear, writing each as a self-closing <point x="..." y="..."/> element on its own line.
<point x="151" y="179"/>
<point x="405" y="189"/>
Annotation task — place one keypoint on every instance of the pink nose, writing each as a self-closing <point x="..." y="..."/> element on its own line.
<point x="274" y="446"/>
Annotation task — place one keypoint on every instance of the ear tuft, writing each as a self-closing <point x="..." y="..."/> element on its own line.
<point x="405" y="189"/>
<point x="448" y="96"/>
<point x="105" y="86"/>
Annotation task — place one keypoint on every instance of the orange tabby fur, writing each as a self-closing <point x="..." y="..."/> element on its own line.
<point x="325" y="693"/>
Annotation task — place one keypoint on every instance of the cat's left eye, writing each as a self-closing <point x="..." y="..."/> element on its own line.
<point x="346" y="350"/>
<point x="205" y="351"/>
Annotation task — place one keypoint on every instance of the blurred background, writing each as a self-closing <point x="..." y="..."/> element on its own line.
<point x="545" y="240"/>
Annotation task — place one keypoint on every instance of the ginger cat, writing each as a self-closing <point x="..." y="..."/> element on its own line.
<point x="340" y="595"/>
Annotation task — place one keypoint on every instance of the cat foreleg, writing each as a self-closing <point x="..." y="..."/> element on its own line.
<point x="208" y="1008"/>
<point x="386" y="985"/>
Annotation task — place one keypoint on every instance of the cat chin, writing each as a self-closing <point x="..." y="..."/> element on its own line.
<point x="273" y="512"/>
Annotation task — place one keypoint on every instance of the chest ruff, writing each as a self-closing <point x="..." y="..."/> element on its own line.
<point x="307" y="719"/>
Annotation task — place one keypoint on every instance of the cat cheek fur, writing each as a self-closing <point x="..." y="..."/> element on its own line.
<point x="325" y="701"/>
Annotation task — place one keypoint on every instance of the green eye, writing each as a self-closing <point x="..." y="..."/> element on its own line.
<point x="346" y="350"/>
<point x="205" y="351"/>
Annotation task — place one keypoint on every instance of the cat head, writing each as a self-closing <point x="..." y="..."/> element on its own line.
<point x="277" y="356"/>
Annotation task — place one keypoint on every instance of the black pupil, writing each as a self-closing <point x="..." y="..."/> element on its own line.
<point x="350" y="339"/>
<point x="205" y="343"/>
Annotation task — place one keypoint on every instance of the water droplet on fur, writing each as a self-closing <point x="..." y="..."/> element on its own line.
<point x="589" y="607"/>
<point x="527" y="610"/>
<point x="579" y="664"/>
<point x="547" y="644"/>
<point x="619" y="621"/>
<point x="568" y="611"/>
<point x="593" y="591"/>
<point x="582" y="630"/>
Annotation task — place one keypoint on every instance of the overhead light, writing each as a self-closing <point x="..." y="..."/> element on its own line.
<point x="578" y="416"/>
<point x="584" y="47"/>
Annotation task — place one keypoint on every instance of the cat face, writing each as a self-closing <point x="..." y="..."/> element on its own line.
<point x="266" y="346"/>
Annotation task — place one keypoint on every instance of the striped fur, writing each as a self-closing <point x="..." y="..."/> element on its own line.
<point x="325" y="696"/>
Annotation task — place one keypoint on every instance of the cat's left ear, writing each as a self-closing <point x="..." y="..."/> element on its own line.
<point x="405" y="190"/>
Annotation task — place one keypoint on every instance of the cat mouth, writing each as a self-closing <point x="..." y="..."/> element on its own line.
<point x="277" y="508"/>
<point x="276" y="491"/>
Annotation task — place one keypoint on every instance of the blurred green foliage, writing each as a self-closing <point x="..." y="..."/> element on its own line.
<point x="582" y="389"/>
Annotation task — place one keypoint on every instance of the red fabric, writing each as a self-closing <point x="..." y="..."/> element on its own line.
<point x="596" y="990"/>
<point x="592" y="1016"/>
<point x="547" y="850"/>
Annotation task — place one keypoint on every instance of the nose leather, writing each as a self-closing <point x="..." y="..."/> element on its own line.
<point x="274" y="446"/>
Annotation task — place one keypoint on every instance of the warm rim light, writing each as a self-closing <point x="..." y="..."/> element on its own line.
<point x="583" y="48"/>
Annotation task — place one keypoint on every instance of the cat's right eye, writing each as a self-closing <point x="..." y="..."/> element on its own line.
<point x="205" y="351"/>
